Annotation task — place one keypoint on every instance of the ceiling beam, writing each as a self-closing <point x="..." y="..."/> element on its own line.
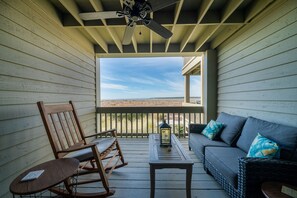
<point x="256" y="8"/>
<point x="205" y="5"/>
<point x="96" y="36"/>
<point x="73" y="9"/>
<point x="176" y="16"/>
<point x="48" y="10"/>
<point x="230" y="8"/>
<point x="98" y="7"/>
<point x="224" y="34"/>
<point x="134" y="43"/>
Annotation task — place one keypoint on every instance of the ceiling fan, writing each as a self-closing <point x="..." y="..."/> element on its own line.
<point x="135" y="11"/>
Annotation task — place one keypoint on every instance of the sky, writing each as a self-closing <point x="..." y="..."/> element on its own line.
<point x="138" y="78"/>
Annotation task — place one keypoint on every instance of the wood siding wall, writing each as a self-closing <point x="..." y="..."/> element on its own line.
<point x="257" y="68"/>
<point x="39" y="61"/>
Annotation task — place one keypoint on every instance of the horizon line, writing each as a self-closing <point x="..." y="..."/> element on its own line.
<point x="152" y="98"/>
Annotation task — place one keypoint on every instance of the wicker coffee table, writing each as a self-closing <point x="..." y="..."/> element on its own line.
<point x="161" y="158"/>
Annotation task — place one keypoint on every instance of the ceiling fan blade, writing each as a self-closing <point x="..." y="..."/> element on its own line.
<point x="156" y="27"/>
<point x="100" y="15"/>
<point x="159" y="4"/>
<point x="129" y="33"/>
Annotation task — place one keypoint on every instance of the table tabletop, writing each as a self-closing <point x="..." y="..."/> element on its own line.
<point x="176" y="154"/>
<point x="55" y="171"/>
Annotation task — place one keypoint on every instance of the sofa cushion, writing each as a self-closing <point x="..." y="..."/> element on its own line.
<point x="199" y="142"/>
<point x="263" y="147"/>
<point x="232" y="127"/>
<point x="212" y="129"/>
<point x="225" y="160"/>
<point x="284" y="136"/>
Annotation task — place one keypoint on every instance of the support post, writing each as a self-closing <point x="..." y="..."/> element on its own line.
<point x="187" y="88"/>
<point x="98" y="89"/>
<point x="98" y="93"/>
<point x="209" y="85"/>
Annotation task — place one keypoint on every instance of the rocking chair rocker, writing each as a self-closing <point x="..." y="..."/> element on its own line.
<point x="67" y="139"/>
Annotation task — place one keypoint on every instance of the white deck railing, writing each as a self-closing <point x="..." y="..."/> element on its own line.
<point x="141" y="121"/>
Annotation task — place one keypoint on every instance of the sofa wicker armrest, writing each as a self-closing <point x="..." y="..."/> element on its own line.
<point x="196" y="128"/>
<point x="254" y="171"/>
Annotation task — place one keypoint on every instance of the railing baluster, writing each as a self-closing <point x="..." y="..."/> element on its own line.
<point x="121" y="121"/>
<point x="116" y="120"/>
<point x="147" y="123"/>
<point x="126" y="126"/>
<point x="173" y="122"/>
<point x="168" y="118"/>
<point x="100" y="118"/>
<point x="142" y="131"/>
<point x="187" y="126"/>
<point x="158" y="121"/>
<point x="110" y="120"/>
<point x="130" y="123"/>
<point x="178" y="124"/>
<point x="105" y="117"/>
<point x="152" y="122"/>
<point x="184" y="124"/>
<point x="137" y="125"/>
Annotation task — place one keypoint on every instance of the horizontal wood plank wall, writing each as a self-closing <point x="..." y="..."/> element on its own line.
<point x="257" y="68"/>
<point x="39" y="61"/>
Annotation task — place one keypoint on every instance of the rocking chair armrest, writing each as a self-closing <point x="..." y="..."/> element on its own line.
<point x="112" y="131"/>
<point x="90" y="145"/>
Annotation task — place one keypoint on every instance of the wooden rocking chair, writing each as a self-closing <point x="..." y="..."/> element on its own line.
<point x="67" y="139"/>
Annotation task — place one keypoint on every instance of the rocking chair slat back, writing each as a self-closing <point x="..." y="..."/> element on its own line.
<point x="62" y="127"/>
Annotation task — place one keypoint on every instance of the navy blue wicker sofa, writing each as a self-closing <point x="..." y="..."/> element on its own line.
<point x="225" y="157"/>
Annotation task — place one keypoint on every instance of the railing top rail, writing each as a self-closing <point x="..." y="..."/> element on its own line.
<point x="157" y="109"/>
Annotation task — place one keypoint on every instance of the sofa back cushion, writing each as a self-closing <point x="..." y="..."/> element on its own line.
<point x="232" y="127"/>
<point x="284" y="136"/>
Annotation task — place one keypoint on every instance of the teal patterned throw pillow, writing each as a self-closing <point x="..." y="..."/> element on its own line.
<point x="212" y="129"/>
<point x="263" y="147"/>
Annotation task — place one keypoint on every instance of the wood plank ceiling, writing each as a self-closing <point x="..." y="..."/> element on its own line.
<point x="197" y="25"/>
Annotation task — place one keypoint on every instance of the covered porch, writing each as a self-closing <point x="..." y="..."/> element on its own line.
<point x="248" y="67"/>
